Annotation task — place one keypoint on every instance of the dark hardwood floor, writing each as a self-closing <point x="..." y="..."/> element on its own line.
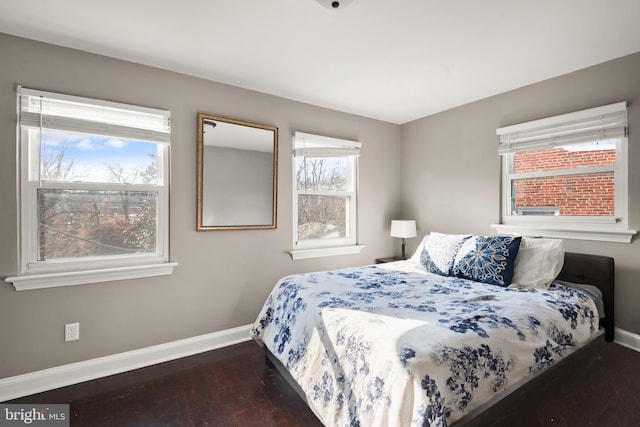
<point x="599" y="386"/>
<point x="227" y="387"/>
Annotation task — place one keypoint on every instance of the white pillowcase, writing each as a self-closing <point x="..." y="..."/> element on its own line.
<point x="539" y="261"/>
<point x="416" y="255"/>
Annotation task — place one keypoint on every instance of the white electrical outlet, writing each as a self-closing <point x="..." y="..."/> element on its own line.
<point x="71" y="332"/>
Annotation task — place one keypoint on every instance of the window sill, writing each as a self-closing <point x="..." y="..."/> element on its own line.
<point x="322" y="252"/>
<point x="602" y="234"/>
<point x="52" y="280"/>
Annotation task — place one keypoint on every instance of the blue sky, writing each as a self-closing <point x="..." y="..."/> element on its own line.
<point x="91" y="154"/>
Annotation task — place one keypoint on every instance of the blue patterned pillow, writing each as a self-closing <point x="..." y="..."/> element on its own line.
<point x="487" y="259"/>
<point x="439" y="252"/>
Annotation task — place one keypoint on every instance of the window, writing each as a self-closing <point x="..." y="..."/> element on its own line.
<point x="94" y="189"/>
<point x="325" y="196"/>
<point x="566" y="176"/>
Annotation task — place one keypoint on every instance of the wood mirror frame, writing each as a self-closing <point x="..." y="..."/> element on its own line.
<point x="229" y="199"/>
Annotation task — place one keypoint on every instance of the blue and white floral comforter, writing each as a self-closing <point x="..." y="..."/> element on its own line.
<point x="392" y="345"/>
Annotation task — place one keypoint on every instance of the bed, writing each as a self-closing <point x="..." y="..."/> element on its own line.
<point x="402" y="344"/>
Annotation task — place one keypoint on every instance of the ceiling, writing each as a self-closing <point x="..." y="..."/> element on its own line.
<point x="392" y="60"/>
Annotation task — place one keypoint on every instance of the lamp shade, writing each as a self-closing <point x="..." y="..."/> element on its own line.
<point x="403" y="228"/>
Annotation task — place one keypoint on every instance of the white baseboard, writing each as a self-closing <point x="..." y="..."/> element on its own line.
<point x="73" y="373"/>
<point x="627" y="339"/>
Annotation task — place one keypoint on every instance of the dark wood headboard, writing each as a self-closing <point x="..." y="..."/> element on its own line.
<point x="597" y="270"/>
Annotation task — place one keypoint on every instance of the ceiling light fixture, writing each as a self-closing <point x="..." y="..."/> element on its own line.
<point x="335" y="4"/>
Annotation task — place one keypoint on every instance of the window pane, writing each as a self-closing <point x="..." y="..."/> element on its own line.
<point x="324" y="173"/>
<point x="587" y="154"/>
<point x="322" y="217"/>
<point x="73" y="157"/>
<point x="573" y="195"/>
<point x="79" y="223"/>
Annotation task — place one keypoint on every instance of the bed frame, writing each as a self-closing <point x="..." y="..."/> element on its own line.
<point x="594" y="270"/>
<point x="597" y="270"/>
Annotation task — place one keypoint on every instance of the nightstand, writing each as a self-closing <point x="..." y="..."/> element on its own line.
<point x="388" y="259"/>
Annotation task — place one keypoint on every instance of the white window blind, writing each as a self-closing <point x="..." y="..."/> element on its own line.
<point x="305" y="144"/>
<point x="592" y="125"/>
<point x="48" y="110"/>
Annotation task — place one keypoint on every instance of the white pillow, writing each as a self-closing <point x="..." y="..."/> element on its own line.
<point x="539" y="261"/>
<point x="416" y="255"/>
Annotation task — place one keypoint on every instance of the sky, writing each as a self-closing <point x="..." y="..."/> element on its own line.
<point x="91" y="155"/>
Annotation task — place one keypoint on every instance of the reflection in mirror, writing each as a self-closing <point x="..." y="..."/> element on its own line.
<point x="237" y="174"/>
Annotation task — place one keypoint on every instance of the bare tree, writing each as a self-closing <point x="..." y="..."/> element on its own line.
<point x="145" y="221"/>
<point x="77" y="223"/>
<point x="53" y="167"/>
<point x="320" y="214"/>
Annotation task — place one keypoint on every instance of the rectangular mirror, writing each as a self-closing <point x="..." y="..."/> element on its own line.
<point x="237" y="174"/>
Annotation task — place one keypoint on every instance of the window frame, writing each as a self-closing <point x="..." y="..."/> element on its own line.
<point x="316" y="146"/>
<point x="607" y="122"/>
<point x="35" y="273"/>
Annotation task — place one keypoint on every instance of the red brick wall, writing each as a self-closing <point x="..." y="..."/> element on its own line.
<point x="578" y="195"/>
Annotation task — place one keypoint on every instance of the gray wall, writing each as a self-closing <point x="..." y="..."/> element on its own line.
<point x="449" y="182"/>
<point x="223" y="277"/>
<point x="451" y="169"/>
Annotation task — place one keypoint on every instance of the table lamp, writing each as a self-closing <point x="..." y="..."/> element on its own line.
<point x="403" y="228"/>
